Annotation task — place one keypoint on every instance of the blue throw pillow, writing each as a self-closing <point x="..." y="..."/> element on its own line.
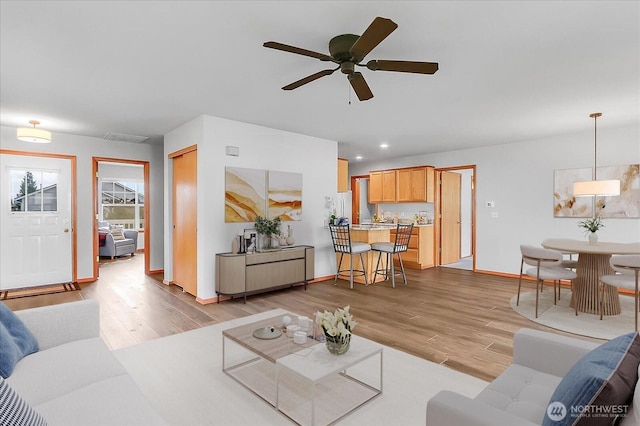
<point x="599" y="387"/>
<point x="16" y="341"/>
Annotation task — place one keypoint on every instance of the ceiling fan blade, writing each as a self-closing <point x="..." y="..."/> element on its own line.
<point x="308" y="79"/>
<point x="360" y="86"/>
<point x="297" y="50"/>
<point x="403" y="66"/>
<point x="379" y="29"/>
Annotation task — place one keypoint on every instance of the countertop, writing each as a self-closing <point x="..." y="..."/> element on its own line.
<point x="366" y="226"/>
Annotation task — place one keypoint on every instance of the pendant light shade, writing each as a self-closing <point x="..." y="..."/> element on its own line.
<point x="31" y="134"/>
<point x="596" y="187"/>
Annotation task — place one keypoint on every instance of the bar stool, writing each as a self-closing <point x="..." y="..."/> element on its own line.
<point x="401" y="244"/>
<point x="341" y="237"/>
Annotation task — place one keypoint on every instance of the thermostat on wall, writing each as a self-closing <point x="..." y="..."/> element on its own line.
<point x="234" y="151"/>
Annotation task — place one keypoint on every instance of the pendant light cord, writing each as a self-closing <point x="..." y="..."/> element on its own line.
<point x="595" y="116"/>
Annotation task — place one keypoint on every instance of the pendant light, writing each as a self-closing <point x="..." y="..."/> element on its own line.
<point x="596" y="187"/>
<point x="31" y="134"/>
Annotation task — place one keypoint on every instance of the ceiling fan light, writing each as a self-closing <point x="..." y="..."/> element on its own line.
<point x="34" y="135"/>
<point x="596" y="188"/>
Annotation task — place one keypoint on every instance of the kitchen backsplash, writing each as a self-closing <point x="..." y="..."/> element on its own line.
<point x="406" y="210"/>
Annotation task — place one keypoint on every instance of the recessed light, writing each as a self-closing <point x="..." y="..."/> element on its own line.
<point x="358" y="157"/>
<point x="384" y="146"/>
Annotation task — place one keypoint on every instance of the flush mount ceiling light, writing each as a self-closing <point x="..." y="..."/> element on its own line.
<point x="596" y="187"/>
<point x="31" y="134"/>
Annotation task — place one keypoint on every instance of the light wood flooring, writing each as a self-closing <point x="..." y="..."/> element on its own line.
<point x="454" y="317"/>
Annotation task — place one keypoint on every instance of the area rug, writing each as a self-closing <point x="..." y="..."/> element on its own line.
<point x="182" y="377"/>
<point x="562" y="317"/>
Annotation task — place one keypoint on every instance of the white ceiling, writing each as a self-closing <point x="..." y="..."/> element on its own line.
<point x="509" y="71"/>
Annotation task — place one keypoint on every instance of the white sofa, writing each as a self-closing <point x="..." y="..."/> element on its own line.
<point x="74" y="379"/>
<point x="520" y="395"/>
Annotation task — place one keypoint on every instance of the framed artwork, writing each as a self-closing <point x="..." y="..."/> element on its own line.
<point x="627" y="204"/>
<point x="285" y="196"/>
<point x="250" y="240"/>
<point x="564" y="203"/>
<point x="244" y="194"/>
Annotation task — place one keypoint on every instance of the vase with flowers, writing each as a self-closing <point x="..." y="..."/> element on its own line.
<point x="268" y="232"/>
<point x="336" y="327"/>
<point x="591" y="226"/>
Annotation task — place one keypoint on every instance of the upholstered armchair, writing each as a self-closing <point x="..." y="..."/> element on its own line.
<point x="116" y="242"/>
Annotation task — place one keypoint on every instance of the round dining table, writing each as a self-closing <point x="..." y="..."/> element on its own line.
<point x="593" y="262"/>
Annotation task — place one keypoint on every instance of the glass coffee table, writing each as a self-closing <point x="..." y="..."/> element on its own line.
<point x="304" y="382"/>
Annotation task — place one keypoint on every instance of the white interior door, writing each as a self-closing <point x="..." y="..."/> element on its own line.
<point x="35" y="218"/>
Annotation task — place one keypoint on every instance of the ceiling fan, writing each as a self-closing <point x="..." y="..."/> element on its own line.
<point x="349" y="50"/>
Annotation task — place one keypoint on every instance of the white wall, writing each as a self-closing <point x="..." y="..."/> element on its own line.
<point x="260" y="148"/>
<point x="84" y="148"/>
<point x="519" y="178"/>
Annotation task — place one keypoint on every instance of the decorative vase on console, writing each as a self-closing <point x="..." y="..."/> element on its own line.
<point x="593" y="238"/>
<point x="290" y="240"/>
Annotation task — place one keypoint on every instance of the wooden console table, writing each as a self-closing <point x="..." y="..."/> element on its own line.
<point x="241" y="274"/>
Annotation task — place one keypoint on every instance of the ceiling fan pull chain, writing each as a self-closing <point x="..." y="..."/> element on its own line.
<point x="349" y="94"/>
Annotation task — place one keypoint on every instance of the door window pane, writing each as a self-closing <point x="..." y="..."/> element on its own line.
<point x="34" y="191"/>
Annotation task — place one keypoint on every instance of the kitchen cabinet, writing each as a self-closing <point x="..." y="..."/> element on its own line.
<point x="389" y="186"/>
<point x="407" y="185"/>
<point x="420" y="254"/>
<point x="375" y="187"/>
<point x="343" y="175"/>
<point x="415" y="184"/>
<point x="382" y="186"/>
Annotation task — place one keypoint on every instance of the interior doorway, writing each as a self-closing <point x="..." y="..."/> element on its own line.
<point x="121" y="198"/>
<point x="361" y="210"/>
<point x="455" y="217"/>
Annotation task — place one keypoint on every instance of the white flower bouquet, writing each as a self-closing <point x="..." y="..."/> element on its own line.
<point x="337" y="328"/>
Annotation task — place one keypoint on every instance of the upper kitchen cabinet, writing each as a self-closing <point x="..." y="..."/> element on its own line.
<point x="389" y="186"/>
<point x="343" y="175"/>
<point x="382" y="186"/>
<point x="415" y="184"/>
<point x="375" y="187"/>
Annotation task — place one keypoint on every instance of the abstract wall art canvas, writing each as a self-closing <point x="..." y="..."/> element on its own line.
<point x="627" y="204"/>
<point x="564" y="203"/>
<point x="244" y="197"/>
<point x="285" y="196"/>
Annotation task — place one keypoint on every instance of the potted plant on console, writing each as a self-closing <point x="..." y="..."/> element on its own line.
<point x="268" y="232"/>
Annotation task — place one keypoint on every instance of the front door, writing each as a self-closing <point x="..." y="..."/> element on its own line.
<point x="450" y="196"/>
<point x="35" y="217"/>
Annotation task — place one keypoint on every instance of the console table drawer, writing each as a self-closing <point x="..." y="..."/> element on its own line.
<point x="275" y="256"/>
<point x="266" y="275"/>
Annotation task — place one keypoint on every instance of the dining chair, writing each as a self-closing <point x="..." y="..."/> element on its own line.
<point x="341" y="237"/>
<point x="399" y="246"/>
<point x="628" y="268"/>
<point x="547" y="266"/>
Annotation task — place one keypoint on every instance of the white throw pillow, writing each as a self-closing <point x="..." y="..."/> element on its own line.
<point x="118" y="234"/>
